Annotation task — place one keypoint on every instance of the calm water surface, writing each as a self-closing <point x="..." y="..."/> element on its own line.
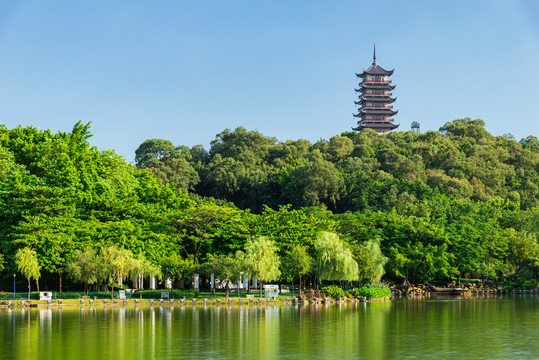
<point x="493" y="328"/>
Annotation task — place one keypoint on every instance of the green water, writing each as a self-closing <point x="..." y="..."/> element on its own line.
<point x="488" y="328"/>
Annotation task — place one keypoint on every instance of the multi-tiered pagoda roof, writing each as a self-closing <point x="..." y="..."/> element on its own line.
<point x="375" y="111"/>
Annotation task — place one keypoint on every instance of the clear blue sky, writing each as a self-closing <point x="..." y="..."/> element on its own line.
<point x="186" y="70"/>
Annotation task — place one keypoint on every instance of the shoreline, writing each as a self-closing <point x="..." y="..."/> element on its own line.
<point x="175" y="302"/>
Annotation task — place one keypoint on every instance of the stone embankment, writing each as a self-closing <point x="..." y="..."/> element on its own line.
<point x="453" y="289"/>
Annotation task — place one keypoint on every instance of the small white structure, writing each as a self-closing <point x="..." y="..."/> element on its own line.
<point x="153" y="282"/>
<point x="45" y="295"/>
<point x="121" y="294"/>
<point x="271" y="290"/>
<point x="196" y="276"/>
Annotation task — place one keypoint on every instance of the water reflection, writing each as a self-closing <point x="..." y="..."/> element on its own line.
<point x="485" y="326"/>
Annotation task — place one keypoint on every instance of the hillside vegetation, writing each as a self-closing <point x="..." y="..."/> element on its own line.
<point x="415" y="206"/>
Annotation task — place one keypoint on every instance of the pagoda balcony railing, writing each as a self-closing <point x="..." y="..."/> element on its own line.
<point x="377" y="82"/>
<point x="377" y="120"/>
<point x="376" y="95"/>
<point x="377" y="107"/>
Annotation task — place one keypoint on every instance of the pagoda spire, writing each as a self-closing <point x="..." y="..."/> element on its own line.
<point x="374" y="56"/>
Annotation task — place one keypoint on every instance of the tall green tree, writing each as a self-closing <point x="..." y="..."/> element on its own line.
<point x="298" y="262"/>
<point x="155" y="150"/>
<point x="175" y="268"/>
<point x="523" y="250"/>
<point x="28" y="266"/>
<point x="226" y="268"/>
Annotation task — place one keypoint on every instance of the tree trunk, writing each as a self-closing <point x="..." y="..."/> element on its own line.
<point x="226" y="287"/>
<point x="37" y="284"/>
<point x="261" y="283"/>
<point x="29" y="288"/>
<point x="112" y="292"/>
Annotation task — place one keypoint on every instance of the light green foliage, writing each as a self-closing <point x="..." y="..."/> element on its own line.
<point x="226" y="268"/>
<point x="262" y="260"/>
<point x="372" y="291"/>
<point x="334" y="260"/>
<point x="27" y="265"/>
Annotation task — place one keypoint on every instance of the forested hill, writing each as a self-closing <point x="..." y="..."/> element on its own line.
<point x="354" y="171"/>
<point x="459" y="202"/>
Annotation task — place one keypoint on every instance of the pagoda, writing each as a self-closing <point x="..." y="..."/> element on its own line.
<point x="375" y="99"/>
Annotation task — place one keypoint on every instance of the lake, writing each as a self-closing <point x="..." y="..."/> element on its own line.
<point x="502" y="327"/>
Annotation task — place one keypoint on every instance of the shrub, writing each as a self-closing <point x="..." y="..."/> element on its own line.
<point x="333" y="291"/>
<point x="371" y="291"/>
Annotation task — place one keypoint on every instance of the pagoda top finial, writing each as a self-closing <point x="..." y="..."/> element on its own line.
<point x="374" y="56"/>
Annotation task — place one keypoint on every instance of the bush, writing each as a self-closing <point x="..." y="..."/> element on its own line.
<point x="69" y="295"/>
<point x="174" y="294"/>
<point x="371" y="292"/>
<point x="333" y="291"/>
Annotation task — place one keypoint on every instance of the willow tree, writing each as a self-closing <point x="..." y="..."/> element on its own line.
<point x="28" y="266"/>
<point x="141" y="266"/>
<point x="370" y="260"/>
<point x="118" y="264"/>
<point x="262" y="260"/>
<point x="83" y="266"/>
<point x="334" y="260"/>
